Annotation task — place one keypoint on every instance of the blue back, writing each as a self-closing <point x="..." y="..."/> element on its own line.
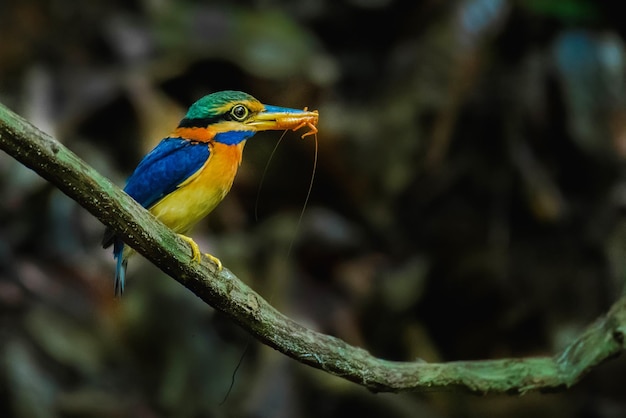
<point x="168" y="165"/>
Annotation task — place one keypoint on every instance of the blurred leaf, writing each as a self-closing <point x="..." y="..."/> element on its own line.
<point x="265" y="43"/>
<point x="403" y="287"/>
<point x="567" y="10"/>
<point x="591" y="67"/>
<point x="32" y="388"/>
<point x="157" y="113"/>
<point x="65" y="340"/>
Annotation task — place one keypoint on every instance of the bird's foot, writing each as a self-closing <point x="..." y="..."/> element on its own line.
<point x="215" y="260"/>
<point x="195" y="252"/>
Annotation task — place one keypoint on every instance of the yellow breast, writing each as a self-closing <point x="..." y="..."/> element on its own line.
<point x="197" y="196"/>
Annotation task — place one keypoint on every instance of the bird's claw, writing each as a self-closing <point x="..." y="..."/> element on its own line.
<point x="196" y="255"/>
<point x="195" y="250"/>
<point x="215" y="260"/>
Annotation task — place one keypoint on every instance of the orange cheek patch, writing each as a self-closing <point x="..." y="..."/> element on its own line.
<point x="194" y="134"/>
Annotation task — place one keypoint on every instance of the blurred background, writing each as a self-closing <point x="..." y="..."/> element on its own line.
<point x="467" y="203"/>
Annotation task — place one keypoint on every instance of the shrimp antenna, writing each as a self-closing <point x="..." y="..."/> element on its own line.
<point x="306" y="199"/>
<point x="267" y="165"/>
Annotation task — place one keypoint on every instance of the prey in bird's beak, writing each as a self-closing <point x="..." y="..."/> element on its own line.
<point x="279" y="118"/>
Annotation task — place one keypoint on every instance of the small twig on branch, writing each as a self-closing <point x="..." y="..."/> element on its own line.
<point x="601" y="341"/>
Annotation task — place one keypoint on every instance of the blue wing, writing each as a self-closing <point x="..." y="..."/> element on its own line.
<point x="161" y="171"/>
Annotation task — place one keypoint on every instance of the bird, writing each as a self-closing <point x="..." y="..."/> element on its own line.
<point x="190" y="171"/>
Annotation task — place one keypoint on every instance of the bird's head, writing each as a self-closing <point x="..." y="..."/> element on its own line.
<point x="231" y="117"/>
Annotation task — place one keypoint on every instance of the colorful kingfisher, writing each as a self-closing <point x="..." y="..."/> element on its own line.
<point x="189" y="172"/>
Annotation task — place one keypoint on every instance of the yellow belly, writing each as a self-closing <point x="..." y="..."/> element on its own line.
<point x="197" y="196"/>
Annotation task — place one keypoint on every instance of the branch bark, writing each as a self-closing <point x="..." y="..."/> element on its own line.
<point x="602" y="340"/>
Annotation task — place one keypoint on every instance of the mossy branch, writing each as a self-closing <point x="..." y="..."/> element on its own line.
<point x="602" y="340"/>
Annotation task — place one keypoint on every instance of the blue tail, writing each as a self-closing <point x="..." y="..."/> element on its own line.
<point x="120" y="269"/>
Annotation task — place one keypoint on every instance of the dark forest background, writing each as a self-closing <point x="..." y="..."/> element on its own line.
<point x="468" y="200"/>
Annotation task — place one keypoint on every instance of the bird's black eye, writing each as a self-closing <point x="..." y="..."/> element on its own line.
<point x="239" y="112"/>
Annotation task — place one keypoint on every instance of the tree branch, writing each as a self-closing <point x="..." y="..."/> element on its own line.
<point x="225" y="292"/>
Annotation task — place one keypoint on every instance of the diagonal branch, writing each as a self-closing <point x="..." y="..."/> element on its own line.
<point x="602" y="340"/>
